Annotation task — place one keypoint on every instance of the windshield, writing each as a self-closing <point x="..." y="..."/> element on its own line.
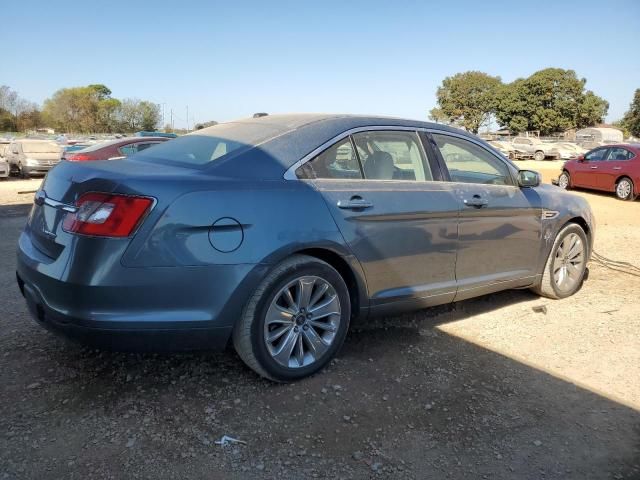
<point x="40" y="147"/>
<point x="197" y="150"/>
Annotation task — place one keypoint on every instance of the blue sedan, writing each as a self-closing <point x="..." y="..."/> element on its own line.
<point x="273" y="233"/>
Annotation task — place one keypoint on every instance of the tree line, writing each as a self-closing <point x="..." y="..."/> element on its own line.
<point x="88" y="109"/>
<point x="549" y="101"/>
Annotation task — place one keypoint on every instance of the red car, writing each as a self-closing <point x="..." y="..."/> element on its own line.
<point x="612" y="168"/>
<point x="113" y="149"/>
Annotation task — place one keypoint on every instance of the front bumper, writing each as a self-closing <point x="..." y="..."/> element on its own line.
<point x="36" y="169"/>
<point x="135" y="309"/>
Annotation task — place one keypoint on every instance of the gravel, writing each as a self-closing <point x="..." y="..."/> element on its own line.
<point x="485" y="388"/>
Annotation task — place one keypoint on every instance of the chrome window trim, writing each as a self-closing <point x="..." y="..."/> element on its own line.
<point x="513" y="170"/>
<point x="290" y="173"/>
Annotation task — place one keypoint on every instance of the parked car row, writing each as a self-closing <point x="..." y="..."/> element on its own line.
<point x="28" y="156"/>
<point x="521" y="148"/>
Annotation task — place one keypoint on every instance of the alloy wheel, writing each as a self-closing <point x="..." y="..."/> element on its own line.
<point x="623" y="189"/>
<point x="302" y="321"/>
<point x="568" y="264"/>
<point x="563" y="181"/>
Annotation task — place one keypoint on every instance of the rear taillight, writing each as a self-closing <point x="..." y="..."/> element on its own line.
<point x="107" y="215"/>
<point x="79" y="157"/>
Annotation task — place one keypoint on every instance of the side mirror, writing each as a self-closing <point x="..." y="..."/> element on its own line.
<point x="528" y="178"/>
<point x="580" y="158"/>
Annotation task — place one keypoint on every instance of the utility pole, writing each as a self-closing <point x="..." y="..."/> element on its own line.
<point x="172" y="119"/>
<point x="187" y="118"/>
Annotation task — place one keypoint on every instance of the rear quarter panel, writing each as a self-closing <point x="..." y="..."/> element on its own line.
<point x="276" y="218"/>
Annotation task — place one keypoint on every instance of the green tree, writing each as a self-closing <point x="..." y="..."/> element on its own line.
<point x="149" y="115"/>
<point x="467" y="99"/>
<point x="550" y="100"/>
<point x="631" y="119"/>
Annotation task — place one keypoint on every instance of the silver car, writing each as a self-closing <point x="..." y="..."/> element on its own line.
<point x="27" y="156"/>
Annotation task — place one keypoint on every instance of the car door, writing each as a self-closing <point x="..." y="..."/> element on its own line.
<point x="615" y="165"/>
<point x="499" y="232"/>
<point x="398" y="221"/>
<point x="586" y="171"/>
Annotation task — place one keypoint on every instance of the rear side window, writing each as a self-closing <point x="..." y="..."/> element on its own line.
<point x="617" y="154"/>
<point x="337" y="162"/>
<point x="470" y="163"/>
<point x="392" y="155"/>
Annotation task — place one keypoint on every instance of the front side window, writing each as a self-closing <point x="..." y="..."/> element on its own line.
<point x="617" y="154"/>
<point x="337" y="162"/>
<point x="470" y="163"/>
<point x="392" y="155"/>
<point x="596" y="156"/>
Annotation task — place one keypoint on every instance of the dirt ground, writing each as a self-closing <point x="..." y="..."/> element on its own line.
<point x="486" y="388"/>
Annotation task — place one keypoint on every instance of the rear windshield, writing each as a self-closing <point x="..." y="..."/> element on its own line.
<point x="100" y="145"/>
<point x="43" y="147"/>
<point x="199" y="149"/>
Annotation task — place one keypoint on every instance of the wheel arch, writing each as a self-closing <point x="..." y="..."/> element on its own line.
<point x="580" y="221"/>
<point x="347" y="270"/>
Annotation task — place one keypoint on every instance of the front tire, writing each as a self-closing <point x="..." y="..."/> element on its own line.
<point x="539" y="156"/>
<point x="22" y="173"/>
<point x="296" y="320"/>
<point x="566" y="265"/>
<point x="624" y="189"/>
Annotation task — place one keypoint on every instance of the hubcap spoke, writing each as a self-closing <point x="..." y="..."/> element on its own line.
<point x="305" y="288"/>
<point x="323" y="326"/>
<point x="318" y="294"/>
<point x="329" y="307"/>
<point x="277" y="333"/>
<point x="317" y="346"/>
<point x="283" y="353"/>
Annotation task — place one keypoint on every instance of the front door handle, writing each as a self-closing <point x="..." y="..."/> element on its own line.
<point x="476" y="201"/>
<point x="617" y="168"/>
<point x="354" y="203"/>
<point x="594" y="168"/>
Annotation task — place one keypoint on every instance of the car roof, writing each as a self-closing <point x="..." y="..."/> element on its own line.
<point x="293" y="121"/>
<point x="288" y="138"/>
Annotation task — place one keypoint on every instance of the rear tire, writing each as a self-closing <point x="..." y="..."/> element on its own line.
<point x="566" y="265"/>
<point x="278" y="310"/>
<point x="624" y="189"/>
<point x="539" y="155"/>
<point x="564" y="180"/>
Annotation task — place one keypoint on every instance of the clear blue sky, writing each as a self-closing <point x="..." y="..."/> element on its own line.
<point x="230" y="59"/>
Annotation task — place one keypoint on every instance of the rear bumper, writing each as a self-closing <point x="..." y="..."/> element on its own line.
<point x="136" y="309"/>
<point x="154" y="337"/>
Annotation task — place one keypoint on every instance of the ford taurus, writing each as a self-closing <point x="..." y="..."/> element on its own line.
<point x="273" y="233"/>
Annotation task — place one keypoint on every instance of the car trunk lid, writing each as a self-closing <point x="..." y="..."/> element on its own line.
<point x="67" y="182"/>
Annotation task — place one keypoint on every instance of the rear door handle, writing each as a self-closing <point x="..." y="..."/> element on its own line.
<point x="594" y="168"/>
<point x="354" y="203"/>
<point x="476" y="201"/>
<point x="617" y="168"/>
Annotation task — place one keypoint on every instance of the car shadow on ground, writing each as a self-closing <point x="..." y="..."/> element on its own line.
<point x="403" y="400"/>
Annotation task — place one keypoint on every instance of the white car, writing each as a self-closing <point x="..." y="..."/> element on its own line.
<point x="539" y="150"/>
<point x="567" y="150"/>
